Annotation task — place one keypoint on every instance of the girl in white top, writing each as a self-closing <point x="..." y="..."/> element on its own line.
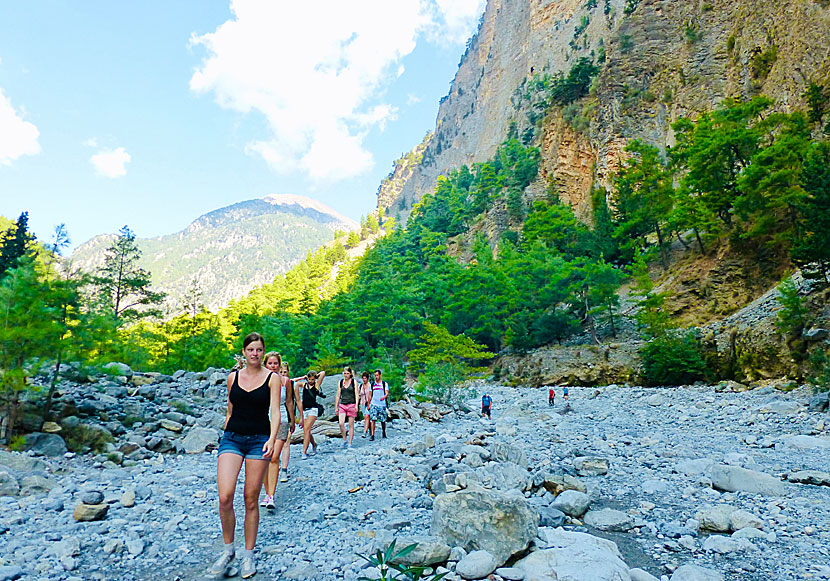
<point x="273" y="361"/>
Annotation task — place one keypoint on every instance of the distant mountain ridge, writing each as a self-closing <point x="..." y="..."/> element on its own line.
<point x="231" y="250"/>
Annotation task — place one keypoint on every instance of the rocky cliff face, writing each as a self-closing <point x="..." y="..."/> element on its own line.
<point x="663" y="60"/>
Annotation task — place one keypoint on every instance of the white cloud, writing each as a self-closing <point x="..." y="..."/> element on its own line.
<point x="459" y="18"/>
<point x="111" y="163"/>
<point x="91" y="142"/>
<point x="17" y="137"/>
<point x="317" y="71"/>
<point x="412" y="99"/>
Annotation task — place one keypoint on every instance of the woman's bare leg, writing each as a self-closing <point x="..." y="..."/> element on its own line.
<point x="254" y="474"/>
<point x="227" y="472"/>
<point x="351" y="429"/>
<point x="273" y="472"/>
<point x="341" y="417"/>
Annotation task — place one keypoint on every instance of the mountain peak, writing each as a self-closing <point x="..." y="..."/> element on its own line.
<point x="311" y="204"/>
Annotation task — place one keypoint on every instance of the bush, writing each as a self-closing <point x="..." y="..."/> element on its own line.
<point x="441" y="382"/>
<point x="673" y="359"/>
<point x="181" y="407"/>
<point x="791" y="319"/>
<point x="762" y="62"/>
<point x="819" y="376"/>
<point x="83" y="439"/>
<point x="389" y="570"/>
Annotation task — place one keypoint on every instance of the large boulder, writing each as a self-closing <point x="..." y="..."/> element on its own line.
<point x="609" y="520"/>
<point x="428" y="550"/>
<point x="119" y="369"/>
<point x="572" y="503"/>
<point x="200" y="439"/>
<point x="476" y="565"/>
<point x="735" y="479"/>
<point x="504" y="476"/>
<point x="8" y="484"/>
<point x="503" y="451"/>
<point x="695" y="573"/>
<point x="46" y="444"/>
<point x="501" y="523"/>
<point x="572" y="556"/>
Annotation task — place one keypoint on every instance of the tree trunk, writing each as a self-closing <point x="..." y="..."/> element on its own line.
<point x="699" y="241"/>
<point x="663" y="258"/>
<point x="47" y="407"/>
<point x="683" y="242"/>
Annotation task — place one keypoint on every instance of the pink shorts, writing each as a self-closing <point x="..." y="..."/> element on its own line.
<point x="349" y="409"/>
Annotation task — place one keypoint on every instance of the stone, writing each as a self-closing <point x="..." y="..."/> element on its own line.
<point x="501" y="523"/>
<point x="655" y="487"/>
<point x="720" y="544"/>
<point x="591" y="466"/>
<point x="199" y="439"/>
<point x="695" y="573"/>
<point x="819" y="402"/>
<point x="35" y="484"/>
<point x="92" y="497"/>
<point x="171" y="425"/>
<point x="557" y="483"/>
<point x="574" y="556"/>
<point x="503" y="476"/>
<point x="510" y="573"/>
<point x="781" y="407"/>
<point x="804" y="442"/>
<point x="45" y="444"/>
<point x="90" y="512"/>
<point x="740" y="519"/>
<point x="301" y="570"/>
<point x="503" y="451"/>
<point x="8" y="484"/>
<point x="21" y="462"/>
<point x="572" y="502"/>
<point x="637" y="574"/>
<point x="10" y="572"/>
<point x="551" y="517"/>
<point x="51" y="428"/>
<point x="610" y="520"/>
<point x="814" y="334"/>
<point x="428" y="550"/>
<point x="715" y="519"/>
<point x="476" y="565"/>
<point x="135" y="546"/>
<point x="814" y="477"/>
<point x="128" y="498"/>
<point x="118" y="369"/>
<point x="734" y="479"/>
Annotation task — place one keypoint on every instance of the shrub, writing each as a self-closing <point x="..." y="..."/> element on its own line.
<point x="762" y="62"/>
<point x="18" y="443"/>
<point x="819" y="376"/>
<point x="389" y="570"/>
<point x="128" y="421"/>
<point x="791" y="319"/>
<point x="181" y="407"/>
<point x="83" y="438"/>
<point x="673" y="359"/>
<point x="441" y="382"/>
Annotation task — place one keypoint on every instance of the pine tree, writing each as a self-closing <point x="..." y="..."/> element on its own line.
<point x="16" y="243"/>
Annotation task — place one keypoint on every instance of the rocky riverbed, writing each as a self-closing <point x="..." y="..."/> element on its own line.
<point x="687" y="483"/>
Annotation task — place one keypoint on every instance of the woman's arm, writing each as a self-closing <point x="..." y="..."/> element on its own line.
<point x="289" y="402"/>
<point x="337" y="396"/>
<point x="276" y="416"/>
<point x="319" y="379"/>
<point x="356" y="394"/>
<point x="230" y="405"/>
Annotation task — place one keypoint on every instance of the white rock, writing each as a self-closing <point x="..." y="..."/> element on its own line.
<point x="574" y="556"/>
<point x="476" y="565"/>
<point x="695" y="573"/>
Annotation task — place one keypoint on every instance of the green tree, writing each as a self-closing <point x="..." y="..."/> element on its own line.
<point x="644" y="198"/>
<point x="811" y="251"/>
<point x="593" y="287"/>
<point x="16" y="243"/>
<point x="123" y="285"/>
<point x="792" y="317"/>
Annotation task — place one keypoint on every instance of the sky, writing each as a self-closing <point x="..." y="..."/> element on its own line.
<point x="150" y="114"/>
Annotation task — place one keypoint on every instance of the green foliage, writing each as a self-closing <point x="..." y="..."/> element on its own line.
<point x="16" y="243"/>
<point x="389" y="570"/>
<point x="763" y="61"/>
<point x="442" y="382"/>
<point x="181" y="407"/>
<point x="124" y="287"/>
<point x="819" y="376"/>
<point x="630" y="6"/>
<point x="810" y="250"/>
<point x="792" y="316"/>
<point x="83" y="438"/>
<point x="626" y="43"/>
<point x="17" y="443"/>
<point x="673" y="359"/>
<point x="439" y="345"/>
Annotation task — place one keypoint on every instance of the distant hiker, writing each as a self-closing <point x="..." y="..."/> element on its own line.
<point x="345" y="402"/>
<point x="365" y="398"/>
<point x="551" y="396"/>
<point x="311" y="409"/>
<point x="249" y="437"/>
<point x="296" y="414"/>
<point x="565" y="393"/>
<point x="273" y="361"/>
<point x="486" y="403"/>
<point x="377" y="405"/>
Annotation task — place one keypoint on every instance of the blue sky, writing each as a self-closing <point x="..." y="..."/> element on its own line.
<point x="152" y="113"/>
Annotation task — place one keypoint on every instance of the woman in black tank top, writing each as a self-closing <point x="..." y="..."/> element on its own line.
<point x="249" y="437"/>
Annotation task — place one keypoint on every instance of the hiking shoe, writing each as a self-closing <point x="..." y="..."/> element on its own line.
<point x="269" y="503"/>
<point x="284" y="474"/>
<point x="248" y="569"/>
<point x="264" y="501"/>
<point x="222" y="564"/>
<point x="372" y="438"/>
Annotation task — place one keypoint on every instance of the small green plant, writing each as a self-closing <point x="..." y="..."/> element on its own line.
<point x="762" y="62"/>
<point x="389" y="570"/>
<point x="18" y="443"/>
<point x="83" y="438"/>
<point x="792" y="317"/>
<point x="692" y="33"/>
<point x="129" y="421"/>
<point x="819" y="376"/>
<point x="630" y="6"/>
<point x="674" y="359"/>
<point x="181" y="407"/>
<point x="626" y="43"/>
<point x="730" y="43"/>
<point x="114" y="458"/>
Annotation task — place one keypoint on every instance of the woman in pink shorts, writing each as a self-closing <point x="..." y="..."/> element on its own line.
<point x="345" y="402"/>
<point x="365" y="396"/>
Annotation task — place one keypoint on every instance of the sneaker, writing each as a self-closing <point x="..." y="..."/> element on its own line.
<point x="372" y="438"/>
<point x="269" y="503"/>
<point x="284" y="474"/>
<point x="264" y="500"/>
<point x="314" y="450"/>
<point x="350" y="445"/>
<point x="304" y="456"/>
<point x="221" y="566"/>
<point x="248" y="569"/>
<point x="364" y="435"/>
<point x="345" y="443"/>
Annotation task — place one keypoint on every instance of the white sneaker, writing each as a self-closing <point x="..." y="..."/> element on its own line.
<point x="248" y="568"/>
<point x="284" y="474"/>
<point x="304" y="456"/>
<point x="269" y="503"/>
<point x="222" y="564"/>
<point x="264" y="501"/>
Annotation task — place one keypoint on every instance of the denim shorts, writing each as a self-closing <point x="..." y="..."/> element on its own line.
<point x="245" y="445"/>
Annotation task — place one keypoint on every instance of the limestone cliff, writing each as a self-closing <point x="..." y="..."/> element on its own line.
<point x="663" y="59"/>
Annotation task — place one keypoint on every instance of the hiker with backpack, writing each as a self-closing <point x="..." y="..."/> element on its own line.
<point x="345" y="402"/>
<point x="377" y="404"/>
<point x="486" y="402"/>
<point x="311" y="408"/>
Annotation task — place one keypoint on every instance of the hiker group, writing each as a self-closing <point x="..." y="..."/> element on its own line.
<point x="265" y="407"/>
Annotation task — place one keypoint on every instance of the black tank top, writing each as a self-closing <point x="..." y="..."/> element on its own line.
<point x="347" y="393"/>
<point x="250" y="409"/>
